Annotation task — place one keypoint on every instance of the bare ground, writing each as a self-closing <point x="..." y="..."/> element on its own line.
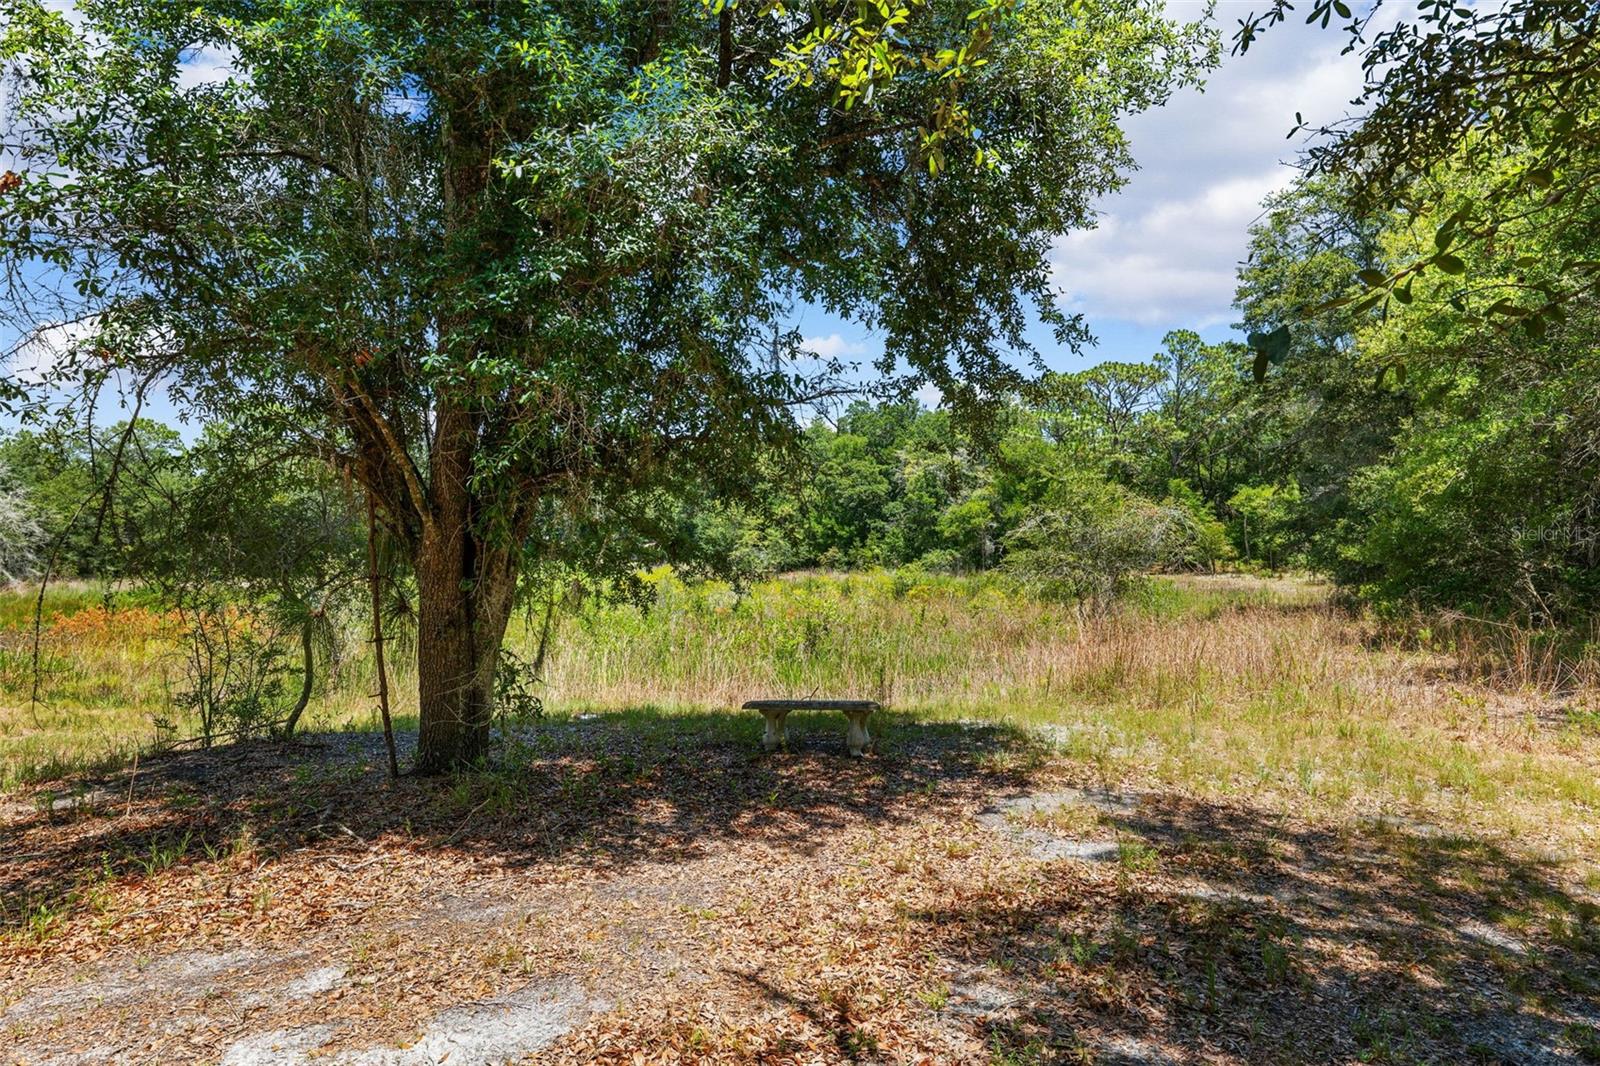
<point x="671" y="895"/>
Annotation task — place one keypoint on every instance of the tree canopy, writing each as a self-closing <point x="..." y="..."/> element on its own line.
<point x="1506" y="92"/>
<point x="489" y="258"/>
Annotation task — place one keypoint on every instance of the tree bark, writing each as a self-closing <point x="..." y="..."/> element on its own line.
<point x="469" y="550"/>
<point x="466" y="585"/>
<point x="462" y="611"/>
<point x="375" y="581"/>
<point x="725" y="47"/>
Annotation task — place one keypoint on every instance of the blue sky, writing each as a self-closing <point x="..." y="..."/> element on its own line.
<point x="1168" y="245"/>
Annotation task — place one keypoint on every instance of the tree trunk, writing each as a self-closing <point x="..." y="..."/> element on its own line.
<point x="307" y="679"/>
<point x="462" y="614"/>
<point x="466" y="584"/>
<point x="375" y="581"/>
<point x="469" y="549"/>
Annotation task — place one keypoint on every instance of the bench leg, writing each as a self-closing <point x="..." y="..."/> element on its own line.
<point x="774" y="737"/>
<point x="859" y="738"/>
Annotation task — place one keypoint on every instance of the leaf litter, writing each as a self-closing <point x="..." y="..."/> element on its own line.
<point x="607" y="898"/>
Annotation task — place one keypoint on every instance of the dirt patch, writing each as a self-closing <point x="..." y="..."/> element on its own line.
<point x="486" y="1032"/>
<point x="278" y="1047"/>
<point x="1484" y="933"/>
<point x="1031" y="820"/>
<point x="608" y="895"/>
<point x="1131" y="1051"/>
<point x="187" y="975"/>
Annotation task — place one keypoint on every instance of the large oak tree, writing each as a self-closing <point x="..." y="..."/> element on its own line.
<point x="492" y="258"/>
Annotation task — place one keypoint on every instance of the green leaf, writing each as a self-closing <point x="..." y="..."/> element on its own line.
<point x="1331" y="305"/>
<point x="1369" y="303"/>
<point x="1450" y="264"/>
<point x="1275" y="344"/>
<point x="1373" y="277"/>
<point x="1271" y="350"/>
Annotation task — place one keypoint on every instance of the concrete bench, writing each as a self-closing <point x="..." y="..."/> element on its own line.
<point x="775" y="711"/>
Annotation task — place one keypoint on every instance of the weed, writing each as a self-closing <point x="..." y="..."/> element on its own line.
<point x="34" y="921"/>
<point x="1068" y="819"/>
<point x="1137" y="857"/>
<point x="164" y="852"/>
<point x="959" y="849"/>
<point x="1276" y="964"/>
<point x="1081" y="950"/>
<point x="1585" y="1040"/>
<point x="1031" y="1053"/>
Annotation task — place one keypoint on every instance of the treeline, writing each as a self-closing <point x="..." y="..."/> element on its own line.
<point x="1123" y="454"/>
<point x="1423" y="435"/>
<point x="1083" y="481"/>
<point x="1123" y="467"/>
<point x="1180" y="462"/>
<point x="1421" y="426"/>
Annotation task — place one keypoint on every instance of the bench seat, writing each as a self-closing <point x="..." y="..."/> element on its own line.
<point x="855" y="711"/>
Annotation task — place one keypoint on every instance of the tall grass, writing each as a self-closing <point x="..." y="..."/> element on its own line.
<point x="915" y="641"/>
<point x="1220" y="686"/>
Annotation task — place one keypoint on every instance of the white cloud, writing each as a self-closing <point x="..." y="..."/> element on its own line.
<point x="1168" y="245"/>
<point x="1171" y="263"/>
<point x="837" y="346"/>
<point x="207" y="66"/>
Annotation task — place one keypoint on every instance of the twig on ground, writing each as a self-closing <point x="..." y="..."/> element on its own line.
<point x="351" y="868"/>
<point x="462" y="828"/>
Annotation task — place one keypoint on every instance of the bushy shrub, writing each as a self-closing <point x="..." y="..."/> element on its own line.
<point x="939" y="561"/>
<point x="515" y="680"/>
<point x="1093" y="541"/>
<point x="234" y="672"/>
<point x="1263" y="521"/>
<point x="1483" y="514"/>
<point x="1205" y="544"/>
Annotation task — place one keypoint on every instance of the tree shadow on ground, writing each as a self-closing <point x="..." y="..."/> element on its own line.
<point x="1213" y="932"/>
<point x="1220" y="932"/>
<point x="606" y="791"/>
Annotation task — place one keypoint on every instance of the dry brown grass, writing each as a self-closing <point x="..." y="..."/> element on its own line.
<point x="1221" y="686"/>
